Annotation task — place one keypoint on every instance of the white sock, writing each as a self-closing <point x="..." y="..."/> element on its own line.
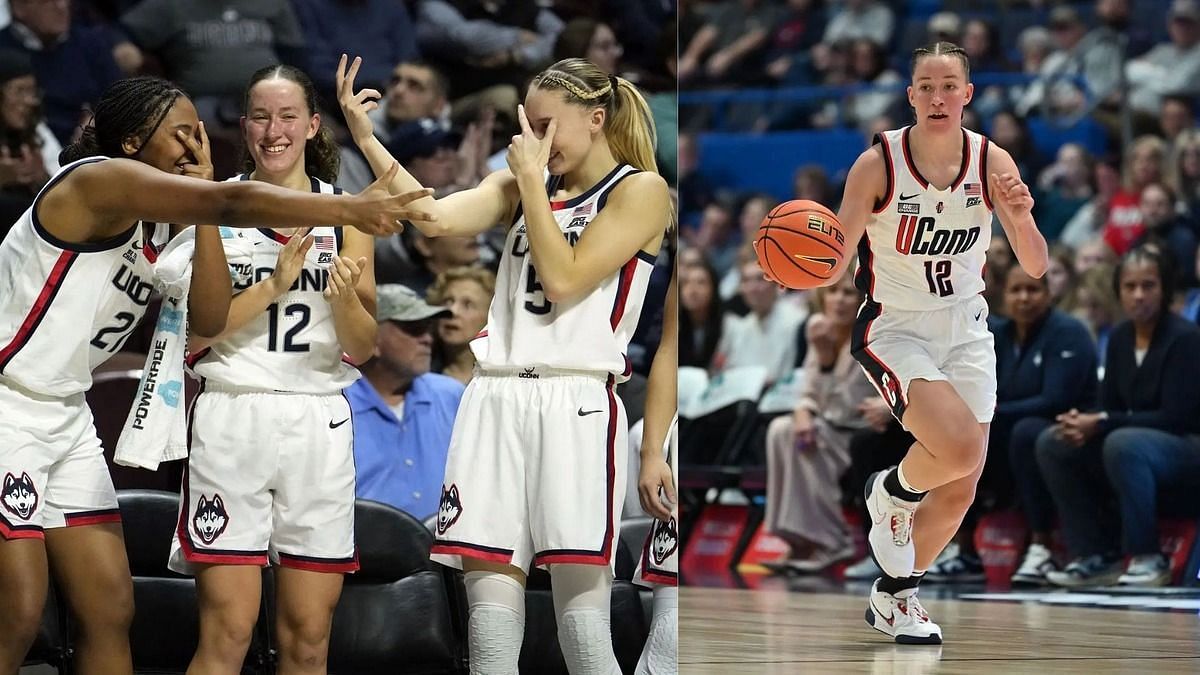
<point x="660" y="656"/>
<point x="904" y="482"/>
<point x="582" y="603"/>
<point x="496" y="626"/>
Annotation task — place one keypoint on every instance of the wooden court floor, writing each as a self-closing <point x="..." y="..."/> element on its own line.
<point x="734" y="631"/>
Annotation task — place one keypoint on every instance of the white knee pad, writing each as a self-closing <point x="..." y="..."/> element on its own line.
<point x="582" y="600"/>
<point x="660" y="656"/>
<point x="496" y="626"/>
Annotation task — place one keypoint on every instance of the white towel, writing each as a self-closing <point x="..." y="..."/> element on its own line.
<point x="156" y="428"/>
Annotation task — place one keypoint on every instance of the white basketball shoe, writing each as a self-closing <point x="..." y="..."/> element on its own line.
<point x="890" y="538"/>
<point x="902" y="617"/>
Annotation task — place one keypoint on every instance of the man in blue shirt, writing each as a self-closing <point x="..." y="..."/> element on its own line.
<point x="403" y="414"/>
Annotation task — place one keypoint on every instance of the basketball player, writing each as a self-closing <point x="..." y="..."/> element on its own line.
<point x="923" y="196"/>
<point x="534" y="474"/>
<point x="658" y="566"/>
<point x="75" y="279"/>
<point x="271" y="466"/>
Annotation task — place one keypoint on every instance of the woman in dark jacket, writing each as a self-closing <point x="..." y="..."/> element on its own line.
<point x="1142" y="443"/>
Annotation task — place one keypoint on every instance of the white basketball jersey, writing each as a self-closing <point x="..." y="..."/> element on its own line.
<point x="66" y="308"/>
<point x="589" y="333"/>
<point x="925" y="248"/>
<point x="292" y="346"/>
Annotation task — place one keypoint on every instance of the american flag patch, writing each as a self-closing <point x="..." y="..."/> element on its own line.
<point x="323" y="243"/>
<point x="584" y="210"/>
<point x="973" y="189"/>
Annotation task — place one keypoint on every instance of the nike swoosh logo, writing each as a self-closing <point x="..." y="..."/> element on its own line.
<point x="332" y="425"/>
<point x="828" y="262"/>
<point x="907" y="197"/>
<point x="890" y="619"/>
<point x="979" y="314"/>
<point x="585" y="413"/>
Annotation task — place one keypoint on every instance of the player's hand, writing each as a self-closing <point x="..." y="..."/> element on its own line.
<point x="289" y="262"/>
<point x="529" y="153"/>
<point x="1010" y="194"/>
<point x="804" y="429"/>
<point x="343" y="277"/>
<point x="355" y="106"/>
<point x="377" y="212"/>
<point x="655" y="476"/>
<point x="201" y="166"/>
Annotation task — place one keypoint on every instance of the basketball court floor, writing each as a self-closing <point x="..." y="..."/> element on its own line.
<point x="782" y="627"/>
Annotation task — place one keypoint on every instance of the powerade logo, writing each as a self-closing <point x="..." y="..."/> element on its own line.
<point x="170" y="320"/>
<point x="170" y="392"/>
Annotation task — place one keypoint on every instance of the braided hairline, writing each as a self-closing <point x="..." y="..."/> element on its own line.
<point x="575" y="89"/>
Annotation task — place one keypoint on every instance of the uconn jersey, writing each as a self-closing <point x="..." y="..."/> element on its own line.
<point x="925" y="248"/>
<point x="292" y="346"/>
<point x="66" y="308"/>
<point x="589" y="333"/>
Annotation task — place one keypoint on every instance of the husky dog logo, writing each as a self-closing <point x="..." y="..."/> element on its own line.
<point x="449" y="509"/>
<point x="664" y="540"/>
<point x="19" y="496"/>
<point x="210" y="519"/>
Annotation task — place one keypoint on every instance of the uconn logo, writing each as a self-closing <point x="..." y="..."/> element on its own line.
<point x="133" y="286"/>
<point x="920" y="236"/>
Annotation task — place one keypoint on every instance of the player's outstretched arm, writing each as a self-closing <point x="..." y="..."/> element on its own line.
<point x="662" y="400"/>
<point x="1014" y="206"/>
<point x="865" y="185"/>
<point x="634" y="219"/>
<point x="464" y="213"/>
<point x="351" y="296"/>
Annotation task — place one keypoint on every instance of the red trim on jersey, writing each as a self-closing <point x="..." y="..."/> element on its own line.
<point x="274" y="235"/>
<point x="983" y="174"/>
<point x="623" y="286"/>
<point x="192" y="359"/>
<point x="571" y="559"/>
<point x="481" y="334"/>
<point x="471" y="551"/>
<point x="889" y="174"/>
<point x="311" y="564"/>
<point x="912" y="166"/>
<point x="612" y="466"/>
<point x="40" y="306"/>
<point x="192" y="555"/>
<point x="93" y="517"/>
<point x="9" y="531"/>
<point x="879" y="385"/>
<point x="966" y="162"/>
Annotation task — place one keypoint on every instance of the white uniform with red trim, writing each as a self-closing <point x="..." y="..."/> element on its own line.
<point x="270" y="473"/>
<point x="64" y="310"/>
<point x="659" y="562"/>
<point x="921" y="266"/>
<point x="533" y="475"/>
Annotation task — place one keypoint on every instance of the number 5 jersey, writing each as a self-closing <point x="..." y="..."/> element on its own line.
<point x="588" y="333"/>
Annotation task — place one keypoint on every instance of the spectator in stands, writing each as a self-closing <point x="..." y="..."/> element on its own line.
<point x="414" y="260"/>
<point x="696" y="191"/>
<point x="1035" y="45"/>
<point x="868" y="65"/>
<point x="944" y="27"/>
<point x="73" y="64"/>
<point x="1116" y="15"/>
<point x="1063" y="188"/>
<point x="1169" y="68"/>
<point x="641" y="27"/>
<point x="381" y="31"/>
<point x="1088" y="222"/>
<point x="716" y="235"/>
<point x="764" y="337"/>
<point x="1176" y="115"/>
<point x="592" y="40"/>
<point x="402" y="413"/>
<point x="1060" y="274"/>
<point x="808" y="451"/>
<point x="416" y="90"/>
<point x="754" y="210"/>
<point x="869" y="19"/>
<point x="702" y="313"/>
<point x="1009" y="132"/>
<point x="1045" y="365"/>
<point x="982" y="44"/>
<point x="1094" y="302"/>
<point x="210" y="48"/>
<point x="1000" y="257"/>
<point x="794" y="35"/>
<point x="1143" y="442"/>
<point x="467" y="292"/>
<point x="1144" y="165"/>
<point x="1183" y="171"/>
<point x="1171" y="232"/>
<point x="442" y="159"/>
<point x="812" y="182"/>
<point x="1095" y="56"/>
<point x="1094" y="253"/>
<point x="28" y="149"/>
<point x="730" y="45"/>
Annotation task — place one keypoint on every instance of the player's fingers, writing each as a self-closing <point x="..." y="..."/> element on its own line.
<point x="669" y="488"/>
<point x="306" y="244"/>
<point x="339" y="77"/>
<point x="523" y="120"/>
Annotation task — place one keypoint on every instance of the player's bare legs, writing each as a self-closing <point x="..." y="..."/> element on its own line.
<point x="305" y="615"/>
<point x="23" y="583"/>
<point x="942" y="511"/>
<point x="496" y="616"/>
<point x="92" y="572"/>
<point x="229" y="598"/>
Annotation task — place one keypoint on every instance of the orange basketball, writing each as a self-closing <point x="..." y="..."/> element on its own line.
<point x="799" y="244"/>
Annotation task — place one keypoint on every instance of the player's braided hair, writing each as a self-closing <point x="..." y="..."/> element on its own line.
<point x="321" y="157"/>
<point x="628" y="125"/>
<point x="130" y="110"/>
<point x="943" y="49"/>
